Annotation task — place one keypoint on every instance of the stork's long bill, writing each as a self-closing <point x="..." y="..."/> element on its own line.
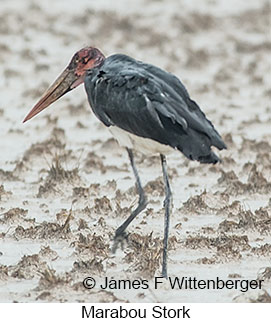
<point x="70" y="78"/>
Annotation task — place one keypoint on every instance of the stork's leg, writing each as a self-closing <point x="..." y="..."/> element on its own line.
<point x="142" y="203"/>
<point x="167" y="205"/>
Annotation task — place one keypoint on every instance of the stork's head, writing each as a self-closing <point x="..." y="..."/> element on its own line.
<point x="73" y="75"/>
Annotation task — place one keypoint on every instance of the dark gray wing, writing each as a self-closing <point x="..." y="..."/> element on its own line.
<point x="190" y="111"/>
<point x="151" y="103"/>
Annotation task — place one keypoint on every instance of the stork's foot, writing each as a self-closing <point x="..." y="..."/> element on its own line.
<point x="119" y="239"/>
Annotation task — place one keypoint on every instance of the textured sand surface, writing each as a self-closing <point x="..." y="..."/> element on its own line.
<point x="65" y="184"/>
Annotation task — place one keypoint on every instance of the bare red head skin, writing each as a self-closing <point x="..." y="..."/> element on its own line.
<point x="73" y="75"/>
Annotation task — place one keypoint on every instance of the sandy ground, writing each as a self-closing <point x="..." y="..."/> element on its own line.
<point x="65" y="184"/>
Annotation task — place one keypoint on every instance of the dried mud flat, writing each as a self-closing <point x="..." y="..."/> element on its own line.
<point x="65" y="185"/>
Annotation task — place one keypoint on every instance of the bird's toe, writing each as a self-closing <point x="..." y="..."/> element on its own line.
<point x="119" y="240"/>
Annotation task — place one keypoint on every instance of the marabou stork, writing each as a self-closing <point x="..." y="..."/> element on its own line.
<point x="146" y="109"/>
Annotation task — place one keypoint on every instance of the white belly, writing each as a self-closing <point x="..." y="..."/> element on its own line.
<point x="143" y="145"/>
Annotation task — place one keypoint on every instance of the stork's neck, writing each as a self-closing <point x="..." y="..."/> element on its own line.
<point x="100" y="58"/>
